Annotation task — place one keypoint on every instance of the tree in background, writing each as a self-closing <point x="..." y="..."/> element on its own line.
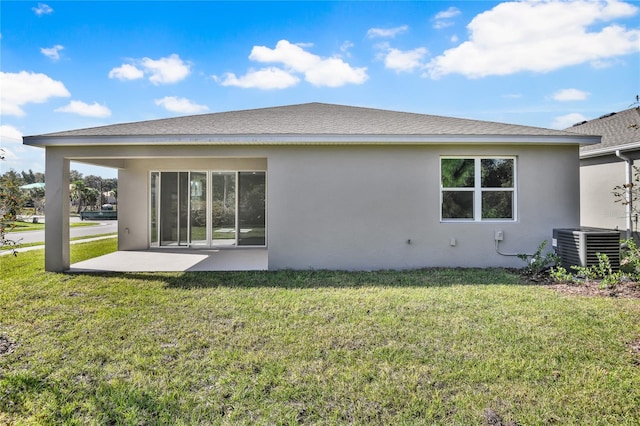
<point x="104" y="187"/>
<point x="74" y="175"/>
<point x="78" y="190"/>
<point x="36" y="196"/>
<point x="12" y="198"/>
<point x="31" y="177"/>
<point x="9" y="206"/>
<point x="91" y="191"/>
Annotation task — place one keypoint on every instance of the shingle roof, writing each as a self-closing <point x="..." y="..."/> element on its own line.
<point x="618" y="130"/>
<point x="312" y="119"/>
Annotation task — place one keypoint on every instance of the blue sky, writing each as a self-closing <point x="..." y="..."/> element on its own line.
<point x="547" y="63"/>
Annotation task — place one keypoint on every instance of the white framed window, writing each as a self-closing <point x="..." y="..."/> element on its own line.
<point x="477" y="189"/>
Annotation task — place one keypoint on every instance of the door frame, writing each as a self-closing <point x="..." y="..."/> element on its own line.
<point x="210" y="242"/>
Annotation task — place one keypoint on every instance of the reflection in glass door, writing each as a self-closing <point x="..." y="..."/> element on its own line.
<point x="223" y="208"/>
<point x="198" y="209"/>
<point x="174" y="200"/>
<point x="251" y="208"/>
<point x="207" y="209"/>
<point x="155" y="190"/>
<point x="168" y="208"/>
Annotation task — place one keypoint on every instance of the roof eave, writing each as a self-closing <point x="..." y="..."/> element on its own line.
<point x="610" y="150"/>
<point x="277" y="139"/>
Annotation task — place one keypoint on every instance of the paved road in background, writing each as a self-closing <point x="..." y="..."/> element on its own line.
<point x="105" y="227"/>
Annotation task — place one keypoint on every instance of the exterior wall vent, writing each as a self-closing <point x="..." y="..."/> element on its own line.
<point x="580" y="246"/>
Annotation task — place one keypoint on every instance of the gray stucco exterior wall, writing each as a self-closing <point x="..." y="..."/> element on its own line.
<point x="355" y="208"/>
<point x="598" y="205"/>
<point x="347" y="208"/>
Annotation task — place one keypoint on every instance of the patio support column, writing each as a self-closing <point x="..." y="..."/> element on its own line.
<point x="56" y="234"/>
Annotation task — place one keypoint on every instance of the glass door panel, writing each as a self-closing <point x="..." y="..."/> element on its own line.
<point x="168" y="208"/>
<point x="223" y="208"/>
<point x="155" y="188"/>
<point x="183" y="210"/>
<point x="251" y="208"/>
<point x="198" y="209"/>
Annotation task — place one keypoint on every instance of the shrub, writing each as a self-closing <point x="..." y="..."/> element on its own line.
<point x="538" y="262"/>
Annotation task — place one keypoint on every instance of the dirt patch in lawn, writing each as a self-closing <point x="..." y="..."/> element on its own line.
<point x="7" y="345"/>
<point x="593" y="288"/>
<point x="635" y="346"/>
<point x="626" y="289"/>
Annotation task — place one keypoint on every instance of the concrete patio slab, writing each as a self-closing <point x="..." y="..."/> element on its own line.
<point x="176" y="260"/>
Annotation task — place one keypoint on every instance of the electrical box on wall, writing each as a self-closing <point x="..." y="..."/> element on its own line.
<point x="498" y="235"/>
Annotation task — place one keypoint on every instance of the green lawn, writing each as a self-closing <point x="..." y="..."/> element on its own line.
<point x="315" y="347"/>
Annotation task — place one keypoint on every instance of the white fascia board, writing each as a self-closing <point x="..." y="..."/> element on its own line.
<point x="44" y="141"/>
<point x="610" y="150"/>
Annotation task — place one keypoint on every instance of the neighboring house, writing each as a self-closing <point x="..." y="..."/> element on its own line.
<point x="606" y="165"/>
<point x="326" y="186"/>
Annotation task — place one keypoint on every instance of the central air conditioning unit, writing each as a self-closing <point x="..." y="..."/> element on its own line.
<point x="580" y="246"/>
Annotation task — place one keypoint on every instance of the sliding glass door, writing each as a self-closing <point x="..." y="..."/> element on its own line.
<point x="208" y="209"/>
<point x="174" y="201"/>
<point x="223" y="208"/>
<point x="198" y="209"/>
<point x="251" y="208"/>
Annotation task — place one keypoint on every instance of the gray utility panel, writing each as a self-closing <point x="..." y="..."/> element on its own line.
<point x="580" y="246"/>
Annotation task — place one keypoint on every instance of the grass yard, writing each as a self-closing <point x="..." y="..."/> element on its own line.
<point x="315" y="347"/>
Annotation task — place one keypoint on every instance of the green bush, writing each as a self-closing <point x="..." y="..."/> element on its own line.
<point x="538" y="262"/>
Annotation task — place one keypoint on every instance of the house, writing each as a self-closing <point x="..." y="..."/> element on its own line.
<point x="326" y="186"/>
<point x="606" y="165"/>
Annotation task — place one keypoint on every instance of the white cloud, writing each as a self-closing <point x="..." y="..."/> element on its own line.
<point x="166" y="70"/>
<point x="442" y="24"/>
<point x="570" y="95"/>
<point x="334" y="72"/>
<point x="16" y="155"/>
<point x="452" y="12"/>
<point x="345" y="47"/>
<point x="598" y="64"/>
<point x="86" y="110"/>
<point x="291" y="55"/>
<point x="52" y="53"/>
<point x="406" y="61"/>
<point x="330" y="72"/>
<point x="441" y="18"/>
<point x="126" y="72"/>
<point x="539" y="36"/>
<point x="42" y="9"/>
<point x="10" y="137"/>
<point x="25" y="87"/>
<point x="387" y="32"/>
<point x="265" y="79"/>
<point x="568" y="120"/>
<point x="170" y="69"/>
<point x="9" y="134"/>
<point x="180" y="105"/>
<point x="10" y="143"/>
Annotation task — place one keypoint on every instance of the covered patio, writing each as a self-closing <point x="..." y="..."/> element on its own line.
<point x="176" y="260"/>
